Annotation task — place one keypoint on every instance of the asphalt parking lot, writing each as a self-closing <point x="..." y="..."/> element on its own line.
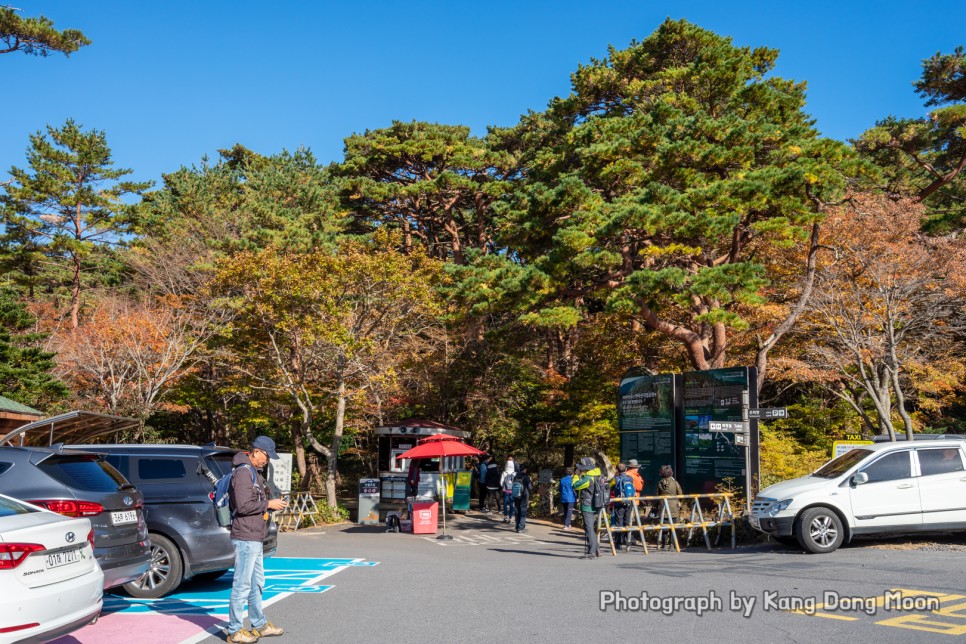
<point x="357" y="583"/>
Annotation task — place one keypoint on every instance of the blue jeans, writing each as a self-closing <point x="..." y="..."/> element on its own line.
<point x="246" y="584"/>
<point x="568" y="512"/>
<point x="508" y="506"/>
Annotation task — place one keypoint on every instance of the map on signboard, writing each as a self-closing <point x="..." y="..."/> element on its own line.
<point x="712" y="396"/>
<point x="646" y="419"/>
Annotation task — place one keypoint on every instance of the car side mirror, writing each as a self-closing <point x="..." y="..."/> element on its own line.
<point x="860" y="478"/>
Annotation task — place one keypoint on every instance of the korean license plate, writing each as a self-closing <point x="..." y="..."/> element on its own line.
<point x="128" y="516"/>
<point x="753" y="520"/>
<point x="63" y="558"/>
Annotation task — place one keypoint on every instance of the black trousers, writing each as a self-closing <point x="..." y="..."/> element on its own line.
<point x="590" y="533"/>
<point x="621" y="514"/>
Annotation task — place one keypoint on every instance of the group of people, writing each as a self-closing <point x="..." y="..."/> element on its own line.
<point x="509" y="488"/>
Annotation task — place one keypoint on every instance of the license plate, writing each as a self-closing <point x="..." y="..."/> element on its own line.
<point x="57" y="559"/>
<point x="128" y="516"/>
<point x="753" y="520"/>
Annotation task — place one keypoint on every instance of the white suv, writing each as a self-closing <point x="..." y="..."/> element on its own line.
<point x="887" y="487"/>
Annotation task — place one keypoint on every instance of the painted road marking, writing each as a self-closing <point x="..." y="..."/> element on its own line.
<point x="942" y="616"/>
<point x="484" y="540"/>
<point x="200" y="610"/>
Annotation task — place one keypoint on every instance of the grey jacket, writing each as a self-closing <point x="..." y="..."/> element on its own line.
<point x="249" y="502"/>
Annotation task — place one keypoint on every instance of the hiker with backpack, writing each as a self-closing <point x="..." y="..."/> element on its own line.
<point x="248" y="498"/>
<point x="506" y="485"/>
<point x="520" y="491"/>
<point x="622" y="488"/>
<point x="592" y="487"/>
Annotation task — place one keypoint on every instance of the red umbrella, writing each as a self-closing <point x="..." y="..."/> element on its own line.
<point x="441" y="446"/>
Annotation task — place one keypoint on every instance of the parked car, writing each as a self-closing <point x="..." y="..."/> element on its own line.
<point x="186" y="540"/>
<point x="82" y="484"/>
<point x="50" y="583"/>
<point x="882" y="488"/>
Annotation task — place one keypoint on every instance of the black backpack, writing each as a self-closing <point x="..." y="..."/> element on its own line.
<point x="600" y="493"/>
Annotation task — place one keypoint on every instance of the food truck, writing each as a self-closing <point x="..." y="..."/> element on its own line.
<point x="393" y="473"/>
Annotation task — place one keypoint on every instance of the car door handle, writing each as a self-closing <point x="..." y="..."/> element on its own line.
<point x="905" y="486"/>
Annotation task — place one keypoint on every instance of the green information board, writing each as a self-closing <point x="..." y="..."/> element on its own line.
<point x="646" y="420"/>
<point x="710" y="456"/>
<point x="461" y="492"/>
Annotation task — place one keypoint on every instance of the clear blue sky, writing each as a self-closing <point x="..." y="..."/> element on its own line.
<point x="172" y="81"/>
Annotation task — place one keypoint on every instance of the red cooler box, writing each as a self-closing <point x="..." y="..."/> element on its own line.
<point x="424" y="517"/>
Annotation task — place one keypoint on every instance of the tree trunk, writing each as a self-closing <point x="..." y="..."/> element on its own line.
<point x="75" y="294"/>
<point x="333" y="458"/>
<point x="300" y="464"/>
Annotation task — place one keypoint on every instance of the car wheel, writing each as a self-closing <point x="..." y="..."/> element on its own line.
<point x="164" y="573"/>
<point x="209" y="576"/>
<point x="819" y="530"/>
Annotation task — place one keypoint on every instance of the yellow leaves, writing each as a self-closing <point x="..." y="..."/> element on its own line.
<point x="810" y="178"/>
<point x="794" y="149"/>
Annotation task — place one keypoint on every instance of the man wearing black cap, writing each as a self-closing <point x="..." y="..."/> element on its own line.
<point x="587" y="472"/>
<point x="249" y="502"/>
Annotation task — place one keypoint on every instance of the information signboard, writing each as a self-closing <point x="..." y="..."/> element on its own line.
<point x="646" y="420"/>
<point x="369" y="501"/>
<point x="713" y="402"/>
<point x="282" y="472"/>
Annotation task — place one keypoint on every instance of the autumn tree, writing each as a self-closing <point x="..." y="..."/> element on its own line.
<point x="71" y="203"/>
<point x="36" y="36"/>
<point x="319" y="328"/>
<point x="130" y="353"/>
<point x="885" y="328"/>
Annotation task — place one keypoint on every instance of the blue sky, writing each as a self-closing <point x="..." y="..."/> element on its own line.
<point x="170" y="82"/>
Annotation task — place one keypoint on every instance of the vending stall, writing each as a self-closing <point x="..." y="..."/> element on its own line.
<point x="394" y="474"/>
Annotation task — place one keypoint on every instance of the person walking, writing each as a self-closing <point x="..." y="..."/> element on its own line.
<point x="248" y="498"/>
<point x="506" y="484"/>
<point x="567" y="496"/>
<point x="492" y="486"/>
<point x="583" y="483"/>
<point x="522" y="487"/>
<point x="480" y="471"/>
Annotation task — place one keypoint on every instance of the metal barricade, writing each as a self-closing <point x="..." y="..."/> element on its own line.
<point x="724" y="517"/>
<point x="301" y="506"/>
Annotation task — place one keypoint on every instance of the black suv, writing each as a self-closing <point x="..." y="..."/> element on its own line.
<point x="79" y="484"/>
<point x="186" y="540"/>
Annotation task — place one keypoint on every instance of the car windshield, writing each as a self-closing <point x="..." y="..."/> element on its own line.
<point x="87" y="473"/>
<point x="839" y="466"/>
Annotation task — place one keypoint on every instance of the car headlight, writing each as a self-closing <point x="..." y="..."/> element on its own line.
<point x="780" y="506"/>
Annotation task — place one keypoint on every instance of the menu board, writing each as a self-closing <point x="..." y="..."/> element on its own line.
<point x="645" y="418"/>
<point x="708" y="457"/>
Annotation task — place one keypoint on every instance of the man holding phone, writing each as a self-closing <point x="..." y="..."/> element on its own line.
<point x="250" y="503"/>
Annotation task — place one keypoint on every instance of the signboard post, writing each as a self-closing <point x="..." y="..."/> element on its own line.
<point x="368" y="501"/>
<point x="461" y="493"/>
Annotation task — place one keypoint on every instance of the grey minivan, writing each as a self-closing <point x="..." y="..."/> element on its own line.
<point x="82" y="484"/>
<point x="186" y="540"/>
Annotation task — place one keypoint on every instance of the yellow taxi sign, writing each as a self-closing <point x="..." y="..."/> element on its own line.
<point x="841" y="447"/>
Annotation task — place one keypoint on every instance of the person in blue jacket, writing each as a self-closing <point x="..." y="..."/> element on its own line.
<point x="567" y="496"/>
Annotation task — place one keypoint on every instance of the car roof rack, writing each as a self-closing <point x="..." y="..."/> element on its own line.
<point x="921" y="437"/>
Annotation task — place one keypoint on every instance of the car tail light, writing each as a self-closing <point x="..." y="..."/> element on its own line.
<point x="71" y="508"/>
<point x="19" y="627"/>
<point x="13" y="554"/>
<point x="90" y="538"/>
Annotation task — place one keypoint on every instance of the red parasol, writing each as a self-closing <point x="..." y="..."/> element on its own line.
<point x="441" y="446"/>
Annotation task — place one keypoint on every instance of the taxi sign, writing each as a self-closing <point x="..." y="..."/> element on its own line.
<point x="841" y="447"/>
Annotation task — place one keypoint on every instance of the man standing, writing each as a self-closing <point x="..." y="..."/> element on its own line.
<point x="587" y="473"/>
<point x="250" y="505"/>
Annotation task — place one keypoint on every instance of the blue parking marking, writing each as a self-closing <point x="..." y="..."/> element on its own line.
<point x="283" y="576"/>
